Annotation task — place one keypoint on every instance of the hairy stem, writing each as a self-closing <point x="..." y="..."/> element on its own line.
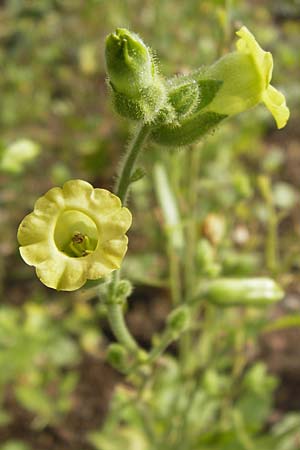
<point x="119" y="327"/>
<point x="133" y="151"/>
<point x="114" y="308"/>
<point x="193" y="160"/>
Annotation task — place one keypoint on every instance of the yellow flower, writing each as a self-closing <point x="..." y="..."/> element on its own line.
<point x="246" y="75"/>
<point x="75" y="233"/>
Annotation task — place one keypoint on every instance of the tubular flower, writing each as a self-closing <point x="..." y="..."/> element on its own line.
<point x="246" y="75"/>
<point x="74" y="233"/>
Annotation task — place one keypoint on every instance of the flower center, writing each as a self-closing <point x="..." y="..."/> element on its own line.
<point x="75" y="234"/>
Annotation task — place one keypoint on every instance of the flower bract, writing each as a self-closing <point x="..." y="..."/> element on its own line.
<point x="74" y="233"/>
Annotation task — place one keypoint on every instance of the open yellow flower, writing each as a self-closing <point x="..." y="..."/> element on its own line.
<point x="246" y="75"/>
<point x="75" y="233"/>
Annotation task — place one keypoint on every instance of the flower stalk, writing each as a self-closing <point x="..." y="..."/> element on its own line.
<point x="127" y="168"/>
<point x="114" y="306"/>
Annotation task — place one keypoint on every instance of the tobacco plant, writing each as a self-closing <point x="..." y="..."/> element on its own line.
<point x="194" y="397"/>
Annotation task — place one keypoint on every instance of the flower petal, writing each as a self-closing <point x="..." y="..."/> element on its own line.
<point x="99" y="269"/>
<point x="104" y="201"/>
<point x="114" y="225"/>
<point x="37" y="253"/>
<point x="263" y="60"/>
<point x="32" y="229"/>
<point x="65" y="274"/>
<point x="113" y="251"/>
<point x="275" y="102"/>
<point x="49" y="205"/>
<point x="77" y="193"/>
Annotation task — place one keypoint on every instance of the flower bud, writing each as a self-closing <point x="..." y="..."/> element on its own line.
<point x="205" y="258"/>
<point x="117" y="356"/>
<point x="129" y="63"/>
<point x="243" y="292"/>
<point x="137" y="90"/>
<point x="178" y="320"/>
<point x="246" y="75"/>
<point x="124" y="289"/>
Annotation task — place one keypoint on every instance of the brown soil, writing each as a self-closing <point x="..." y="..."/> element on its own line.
<point x="90" y="404"/>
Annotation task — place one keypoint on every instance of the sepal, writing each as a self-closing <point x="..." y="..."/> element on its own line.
<point x="144" y="106"/>
<point x="188" y="131"/>
<point x="188" y="95"/>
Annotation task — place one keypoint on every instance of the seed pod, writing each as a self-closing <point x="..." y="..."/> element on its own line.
<point x="243" y="292"/>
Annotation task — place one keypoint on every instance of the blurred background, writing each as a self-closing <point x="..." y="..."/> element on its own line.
<point x="57" y="123"/>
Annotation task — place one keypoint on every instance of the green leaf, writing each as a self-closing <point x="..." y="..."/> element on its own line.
<point x="287" y="321"/>
<point x="15" y="445"/>
<point x="137" y="175"/>
<point x="189" y="130"/>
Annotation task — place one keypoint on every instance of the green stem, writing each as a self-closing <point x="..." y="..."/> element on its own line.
<point x="174" y="277"/>
<point x="173" y="223"/>
<point x="271" y="250"/>
<point x="133" y="151"/>
<point x="114" y="309"/>
<point x="272" y="241"/>
<point x="160" y="348"/>
<point x="119" y="327"/>
<point x="193" y="159"/>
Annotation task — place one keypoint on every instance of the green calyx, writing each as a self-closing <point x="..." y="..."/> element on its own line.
<point x="144" y="106"/>
<point x="185" y="122"/>
<point x="188" y="95"/>
<point x="188" y="131"/>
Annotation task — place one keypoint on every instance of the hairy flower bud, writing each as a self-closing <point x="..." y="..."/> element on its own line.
<point x="129" y="63"/>
<point x="138" y="92"/>
<point x="124" y="289"/>
<point x="178" y="320"/>
<point x="117" y="356"/>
